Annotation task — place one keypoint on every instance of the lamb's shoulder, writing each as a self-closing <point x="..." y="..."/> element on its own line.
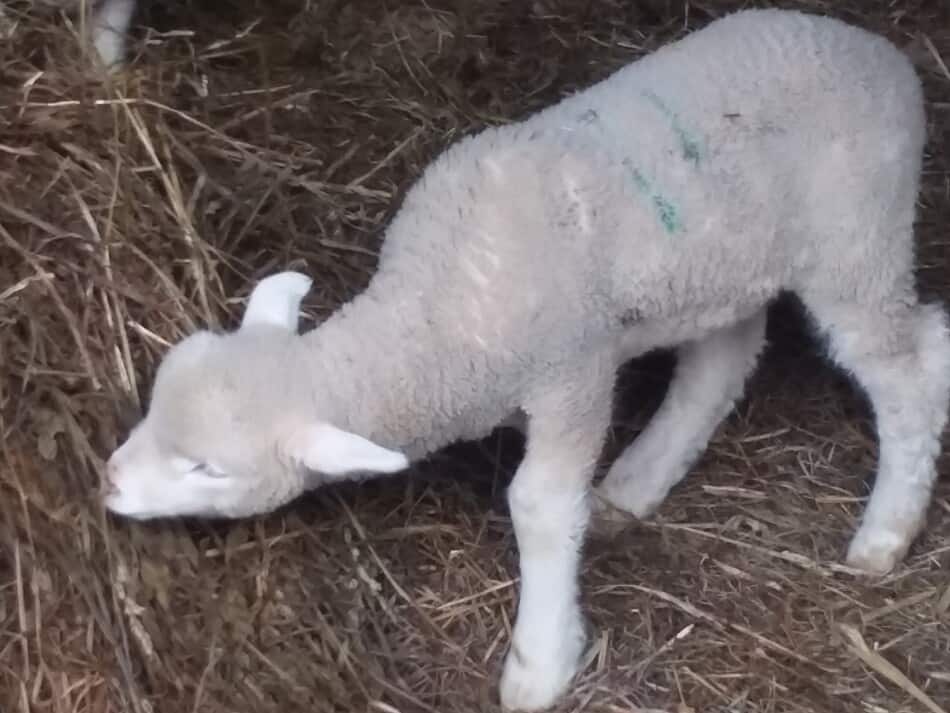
<point x="502" y="190"/>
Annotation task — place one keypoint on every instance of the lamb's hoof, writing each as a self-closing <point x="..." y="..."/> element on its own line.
<point x="606" y="519"/>
<point x="612" y="513"/>
<point x="536" y="680"/>
<point x="876" y="551"/>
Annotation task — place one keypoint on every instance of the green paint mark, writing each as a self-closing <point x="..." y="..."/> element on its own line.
<point x="665" y="211"/>
<point x="667" y="214"/>
<point x="688" y="144"/>
<point x="641" y="183"/>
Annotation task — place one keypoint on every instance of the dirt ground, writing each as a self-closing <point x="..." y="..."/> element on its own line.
<point x="250" y="136"/>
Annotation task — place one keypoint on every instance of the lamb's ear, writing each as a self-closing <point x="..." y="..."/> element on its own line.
<point x="276" y="300"/>
<point x="332" y="451"/>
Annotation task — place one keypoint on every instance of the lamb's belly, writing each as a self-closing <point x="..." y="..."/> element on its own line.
<point x="686" y="326"/>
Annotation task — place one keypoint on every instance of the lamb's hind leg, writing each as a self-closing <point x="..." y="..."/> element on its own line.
<point x="710" y="376"/>
<point x="899" y="352"/>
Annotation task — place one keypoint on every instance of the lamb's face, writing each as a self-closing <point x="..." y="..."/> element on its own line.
<point x="148" y="477"/>
<point x="227" y="433"/>
<point x="210" y="443"/>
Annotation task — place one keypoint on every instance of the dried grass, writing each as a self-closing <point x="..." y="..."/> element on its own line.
<point x="281" y="135"/>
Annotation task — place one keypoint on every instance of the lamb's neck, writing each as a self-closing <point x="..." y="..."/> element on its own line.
<point x="379" y="368"/>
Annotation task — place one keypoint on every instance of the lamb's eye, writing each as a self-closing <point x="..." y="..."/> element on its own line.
<point x="212" y="472"/>
<point x="186" y="465"/>
<point x="190" y="466"/>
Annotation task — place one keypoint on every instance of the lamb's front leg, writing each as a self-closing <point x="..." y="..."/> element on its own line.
<point x="549" y="510"/>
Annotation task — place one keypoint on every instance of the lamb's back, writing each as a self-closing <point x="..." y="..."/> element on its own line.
<point x="698" y="176"/>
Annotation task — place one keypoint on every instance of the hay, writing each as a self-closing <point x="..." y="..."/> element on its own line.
<point x="282" y="136"/>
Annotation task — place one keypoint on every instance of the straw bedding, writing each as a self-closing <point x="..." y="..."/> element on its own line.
<point x="249" y="137"/>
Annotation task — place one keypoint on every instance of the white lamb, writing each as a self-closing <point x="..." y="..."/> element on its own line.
<point x="667" y="205"/>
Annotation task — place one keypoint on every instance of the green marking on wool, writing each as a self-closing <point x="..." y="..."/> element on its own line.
<point x="638" y="178"/>
<point x="667" y="214"/>
<point x="688" y="145"/>
<point x="665" y="211"/>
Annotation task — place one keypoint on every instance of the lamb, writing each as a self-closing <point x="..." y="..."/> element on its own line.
<point x="666" y="206"/>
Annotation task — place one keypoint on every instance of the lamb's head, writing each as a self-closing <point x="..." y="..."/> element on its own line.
<point x="230" y="430"/>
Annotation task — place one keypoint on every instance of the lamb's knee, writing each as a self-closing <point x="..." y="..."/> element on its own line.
<point x="544" y="515"/>
<point x="933" y="343"/>
<point x="533" y="505"/>
<point x="915" y="370"/>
